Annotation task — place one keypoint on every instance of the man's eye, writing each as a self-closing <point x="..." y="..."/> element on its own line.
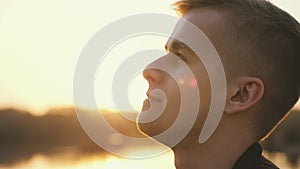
<point x="180" y="56"/>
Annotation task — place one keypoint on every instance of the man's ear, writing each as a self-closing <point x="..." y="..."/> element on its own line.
<point x="243" y="94"/>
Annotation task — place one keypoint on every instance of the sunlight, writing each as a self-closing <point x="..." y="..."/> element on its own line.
<point x="280" y="159"/>
<point x="297" y="106"/>
<point x="41" y="51"/>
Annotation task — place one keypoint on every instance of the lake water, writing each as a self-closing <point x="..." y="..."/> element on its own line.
<point x="92" y="161"/>
<point x="74" y="160"/>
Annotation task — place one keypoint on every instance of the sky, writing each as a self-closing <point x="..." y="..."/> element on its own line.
<point x="41" y="41"/>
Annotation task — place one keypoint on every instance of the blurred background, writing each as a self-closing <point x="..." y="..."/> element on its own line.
<point x="40" y="42"/>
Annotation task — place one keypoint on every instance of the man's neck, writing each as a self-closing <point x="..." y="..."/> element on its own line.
<point x="213" y="154"/>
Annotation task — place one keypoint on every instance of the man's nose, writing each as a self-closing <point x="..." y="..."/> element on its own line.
<point x="152" y="75"/>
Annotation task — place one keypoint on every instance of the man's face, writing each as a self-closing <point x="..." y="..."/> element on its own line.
<point x="178" y="56"/>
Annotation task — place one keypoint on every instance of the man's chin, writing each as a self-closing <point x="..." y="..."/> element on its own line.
<point x="147" y="129"/>
<point x="144" y="129"/>
<point x="151" y="132"/>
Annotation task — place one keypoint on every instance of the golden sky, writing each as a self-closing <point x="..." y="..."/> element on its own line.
<point x="41" y="41"/>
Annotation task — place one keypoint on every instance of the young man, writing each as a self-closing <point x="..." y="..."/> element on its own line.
<point x="259" y="46"/>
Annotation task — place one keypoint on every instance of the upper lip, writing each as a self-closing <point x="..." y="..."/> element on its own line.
<point x="152" y="97"/>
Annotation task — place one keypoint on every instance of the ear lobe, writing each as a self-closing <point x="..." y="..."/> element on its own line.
<point x="244" y="95"/>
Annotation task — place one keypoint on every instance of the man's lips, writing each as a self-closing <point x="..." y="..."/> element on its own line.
<point x="152" y="96"/>
<point x="153" y="106"/>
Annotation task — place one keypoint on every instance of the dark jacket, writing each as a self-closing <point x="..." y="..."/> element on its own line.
<point x="253" y="159"/>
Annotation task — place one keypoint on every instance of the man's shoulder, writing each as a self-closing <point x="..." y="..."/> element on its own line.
<point x="252" y="158"/>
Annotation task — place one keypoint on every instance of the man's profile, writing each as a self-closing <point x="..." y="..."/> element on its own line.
<point x="259" y="46"/>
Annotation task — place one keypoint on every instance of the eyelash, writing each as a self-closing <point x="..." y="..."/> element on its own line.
<point x="180" y="56"/>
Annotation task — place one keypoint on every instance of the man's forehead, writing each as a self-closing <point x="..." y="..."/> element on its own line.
<point x="195" y="38"/>
<point x="205" y="17"/>
<point x="182" y="28"/>
<point x="210" y="21"/>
